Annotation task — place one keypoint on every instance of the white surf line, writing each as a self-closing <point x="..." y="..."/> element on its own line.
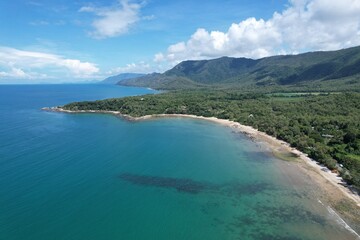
<point x="339" y="220"/>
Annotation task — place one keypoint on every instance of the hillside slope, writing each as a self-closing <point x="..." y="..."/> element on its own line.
<point x="337" y="70"/>
<point x="120" y="77"/>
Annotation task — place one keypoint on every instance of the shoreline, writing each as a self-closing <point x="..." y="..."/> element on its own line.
<point x="275" y="145"/>
<point x="333" y="188"/>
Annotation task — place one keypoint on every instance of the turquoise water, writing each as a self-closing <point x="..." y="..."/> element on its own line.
<point x="95" y="176"/>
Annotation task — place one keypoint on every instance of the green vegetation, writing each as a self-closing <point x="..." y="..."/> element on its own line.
<point x="325" y="126"/>
<point x="120" y="77"/>
<point x="315" y="71"/>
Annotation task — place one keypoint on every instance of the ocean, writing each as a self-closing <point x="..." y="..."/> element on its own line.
<point x="97" y="176"/>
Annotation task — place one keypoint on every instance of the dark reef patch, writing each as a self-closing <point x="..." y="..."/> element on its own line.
<point x="190" y="186"/>
<point x="180" y="184"/>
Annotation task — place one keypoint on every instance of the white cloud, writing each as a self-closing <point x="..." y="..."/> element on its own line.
<point x="44" y="23"/>
<point x="140" y="67"/>
<point x="149" y="17"/>
<point x="39" y="23"/>
<point x="159" y="57"/>
<point x="81" y="69"/>
<point x="14" y="72"/>
<point x="21" y="64"/>
<point x="113" y="21"/>
<point x="304" y="25"/>
<point x="18" y="73"/>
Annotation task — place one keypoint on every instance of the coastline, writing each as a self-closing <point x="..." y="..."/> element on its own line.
<point x="333" y="188"/>
<point x="274" y="144"/>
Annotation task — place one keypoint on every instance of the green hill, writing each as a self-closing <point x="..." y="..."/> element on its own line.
<point x="161" y="81"/>
<point x="120" y="77"/>
<point x="328" y="71"/>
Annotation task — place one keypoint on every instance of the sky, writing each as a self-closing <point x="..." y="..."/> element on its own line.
<point x="61" y="41"/>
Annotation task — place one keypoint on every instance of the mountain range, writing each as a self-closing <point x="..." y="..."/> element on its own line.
<point x="325" y="70"/>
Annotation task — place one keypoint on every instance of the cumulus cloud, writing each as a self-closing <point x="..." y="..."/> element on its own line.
<point x="113" y="21"/>
<point x="140" y="67"/>
<point x="18" y="73"/>
<point x="15" y="62"/>
<point x="15" y="73"/>
<point x="305" y="25"/>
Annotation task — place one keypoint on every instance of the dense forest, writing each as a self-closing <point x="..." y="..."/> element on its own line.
<point x="325" y="126"/>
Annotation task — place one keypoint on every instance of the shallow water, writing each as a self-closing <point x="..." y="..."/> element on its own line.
<point x="95" y="176"/>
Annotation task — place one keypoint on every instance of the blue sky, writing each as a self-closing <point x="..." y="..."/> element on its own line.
<point x="74" y="41"/>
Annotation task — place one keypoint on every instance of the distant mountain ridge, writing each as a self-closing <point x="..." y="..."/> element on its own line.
<point x="323" y="69"/>
<point x="120" y="77"/>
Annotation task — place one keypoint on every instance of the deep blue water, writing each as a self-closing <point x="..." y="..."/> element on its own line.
<point x="95" y="176"/>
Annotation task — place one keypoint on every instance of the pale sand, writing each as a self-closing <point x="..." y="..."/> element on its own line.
<point x="318" y="172"/>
